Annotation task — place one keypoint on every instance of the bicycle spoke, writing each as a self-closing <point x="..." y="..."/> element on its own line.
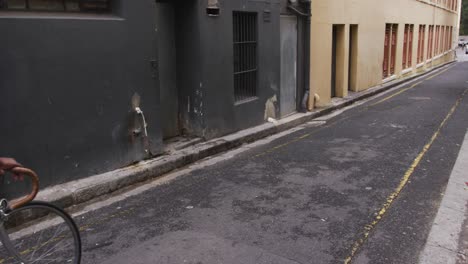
<point x="53" y="238"/>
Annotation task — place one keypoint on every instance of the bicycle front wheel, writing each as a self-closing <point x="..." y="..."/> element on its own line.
<point x="39" y="233"/>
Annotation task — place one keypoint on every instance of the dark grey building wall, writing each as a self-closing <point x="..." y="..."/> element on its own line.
<point x="66" y="85"/>
<point x="219" y="51"/>
<point x="167" y="66"/>
<point x="205" y="66"/>
<point x="189" y="67"/>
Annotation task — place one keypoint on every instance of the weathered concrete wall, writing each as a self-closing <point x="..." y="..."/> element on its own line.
<point x="66" y="83"/>
<point x="371" y="17"/>
<point x="205" y="66"/>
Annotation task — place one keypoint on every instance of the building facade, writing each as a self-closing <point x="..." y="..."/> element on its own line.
<point x="360" y="44"/>
<point x="72" y="74"/>
<point x="229" y="65"/>
<point x="89" y="86"/>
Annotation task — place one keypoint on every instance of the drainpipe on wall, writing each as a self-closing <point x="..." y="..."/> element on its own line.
<point x="305" y="106"/>
<point x="307" y="14"/>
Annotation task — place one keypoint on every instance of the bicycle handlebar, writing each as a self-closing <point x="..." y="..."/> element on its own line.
<point x="35" y="187"/>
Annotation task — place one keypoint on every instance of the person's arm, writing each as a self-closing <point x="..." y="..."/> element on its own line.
<point x="7" y="163"/>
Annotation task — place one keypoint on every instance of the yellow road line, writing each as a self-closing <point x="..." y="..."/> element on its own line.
<point x="328" y="125"/>
<point x="81" y="229"/>
<point x="397" y="93"/>
<point x="391" y="198"/>
<point x="411" y="87"/>
<point x="297" y="139"/>
<point x="284" y="144"/>
<point x="440" y="72"/>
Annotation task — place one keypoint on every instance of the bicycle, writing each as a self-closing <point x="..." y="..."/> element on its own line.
<point x="36" y="232"/>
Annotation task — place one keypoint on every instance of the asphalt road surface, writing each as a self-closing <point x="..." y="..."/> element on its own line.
<point x="364" y="187"/>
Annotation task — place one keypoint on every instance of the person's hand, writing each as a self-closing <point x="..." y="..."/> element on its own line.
<point x="7" y="164"/>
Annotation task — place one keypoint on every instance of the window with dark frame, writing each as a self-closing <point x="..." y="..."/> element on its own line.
<point x="393" y="48"/>
<point x="442" y="40"/>
<point x="408" y="46"/>
<point x="430" y="42"/>
<point x="421" y="38"/>
<point x="451" y="38"/>
<point x="388" y="67"/>
<point x="448" y="45"/>
<point x="96" y="6"/>
<point x="245" y="55"/>
<point x="405" y="46"/>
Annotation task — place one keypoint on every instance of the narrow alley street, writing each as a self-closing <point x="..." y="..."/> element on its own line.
<point x="362" y="186"/>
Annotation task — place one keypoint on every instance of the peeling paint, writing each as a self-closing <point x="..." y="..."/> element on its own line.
<point x="270" y="107"/>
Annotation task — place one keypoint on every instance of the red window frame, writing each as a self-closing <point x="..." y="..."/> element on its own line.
<point x="422" y="33"/>
<point x="405" y="46"/>
<point x="393" y="49"/>
<point x="451" y="38"/>
<point x="429" y="41"/>
<point x="385" y="64"/>
<point x="410" y="46"/>
<point x="443" y="40"/>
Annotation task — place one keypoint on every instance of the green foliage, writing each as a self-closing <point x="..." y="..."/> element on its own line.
<point x="464" y="18"/>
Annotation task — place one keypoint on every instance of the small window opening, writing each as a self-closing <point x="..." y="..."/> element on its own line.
<point x="212" y="11"/>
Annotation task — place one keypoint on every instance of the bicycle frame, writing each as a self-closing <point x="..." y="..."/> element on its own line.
<point x="6" y="241"/>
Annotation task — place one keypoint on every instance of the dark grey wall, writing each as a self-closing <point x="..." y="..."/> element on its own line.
<point x="167" y="66"/>
<point x="66" y="85"/>
<point x="205" y="66"/>
<point x="219" y="51"/>
<point x="189" y="67"/>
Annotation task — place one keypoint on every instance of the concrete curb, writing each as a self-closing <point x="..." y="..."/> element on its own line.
<point x="84" y="190"/>
<point x="443" y="241"/>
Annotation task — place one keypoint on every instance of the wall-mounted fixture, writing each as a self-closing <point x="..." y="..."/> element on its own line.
<point x="213" y="8"/>
<point x="143" y="127"/>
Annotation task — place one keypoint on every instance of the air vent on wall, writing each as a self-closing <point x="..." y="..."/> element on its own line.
<point x="213" y="8"/>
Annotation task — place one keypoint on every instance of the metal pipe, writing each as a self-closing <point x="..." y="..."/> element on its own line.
<point x="307" y="18"/>
<point x="145" y="130"/>
<point x="297" y="11"/>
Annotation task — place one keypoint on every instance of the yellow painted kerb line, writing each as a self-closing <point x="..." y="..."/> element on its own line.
<point x="369" y="227"/>
<point x="397" y="93"/>
<point x="330" y="124"/>
<point x="411" y="87"/>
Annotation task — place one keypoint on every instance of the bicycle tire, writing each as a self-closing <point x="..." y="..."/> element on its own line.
<point x="40" y="233"/>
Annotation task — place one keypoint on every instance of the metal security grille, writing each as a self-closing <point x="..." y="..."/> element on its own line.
<point x="245" y="55"/>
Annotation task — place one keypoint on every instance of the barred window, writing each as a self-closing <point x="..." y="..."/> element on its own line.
<point x="245" y="55"/>
<point x="56" y="5"/>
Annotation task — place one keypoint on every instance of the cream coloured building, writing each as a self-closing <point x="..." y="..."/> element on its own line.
<point x="359" y="44"/>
